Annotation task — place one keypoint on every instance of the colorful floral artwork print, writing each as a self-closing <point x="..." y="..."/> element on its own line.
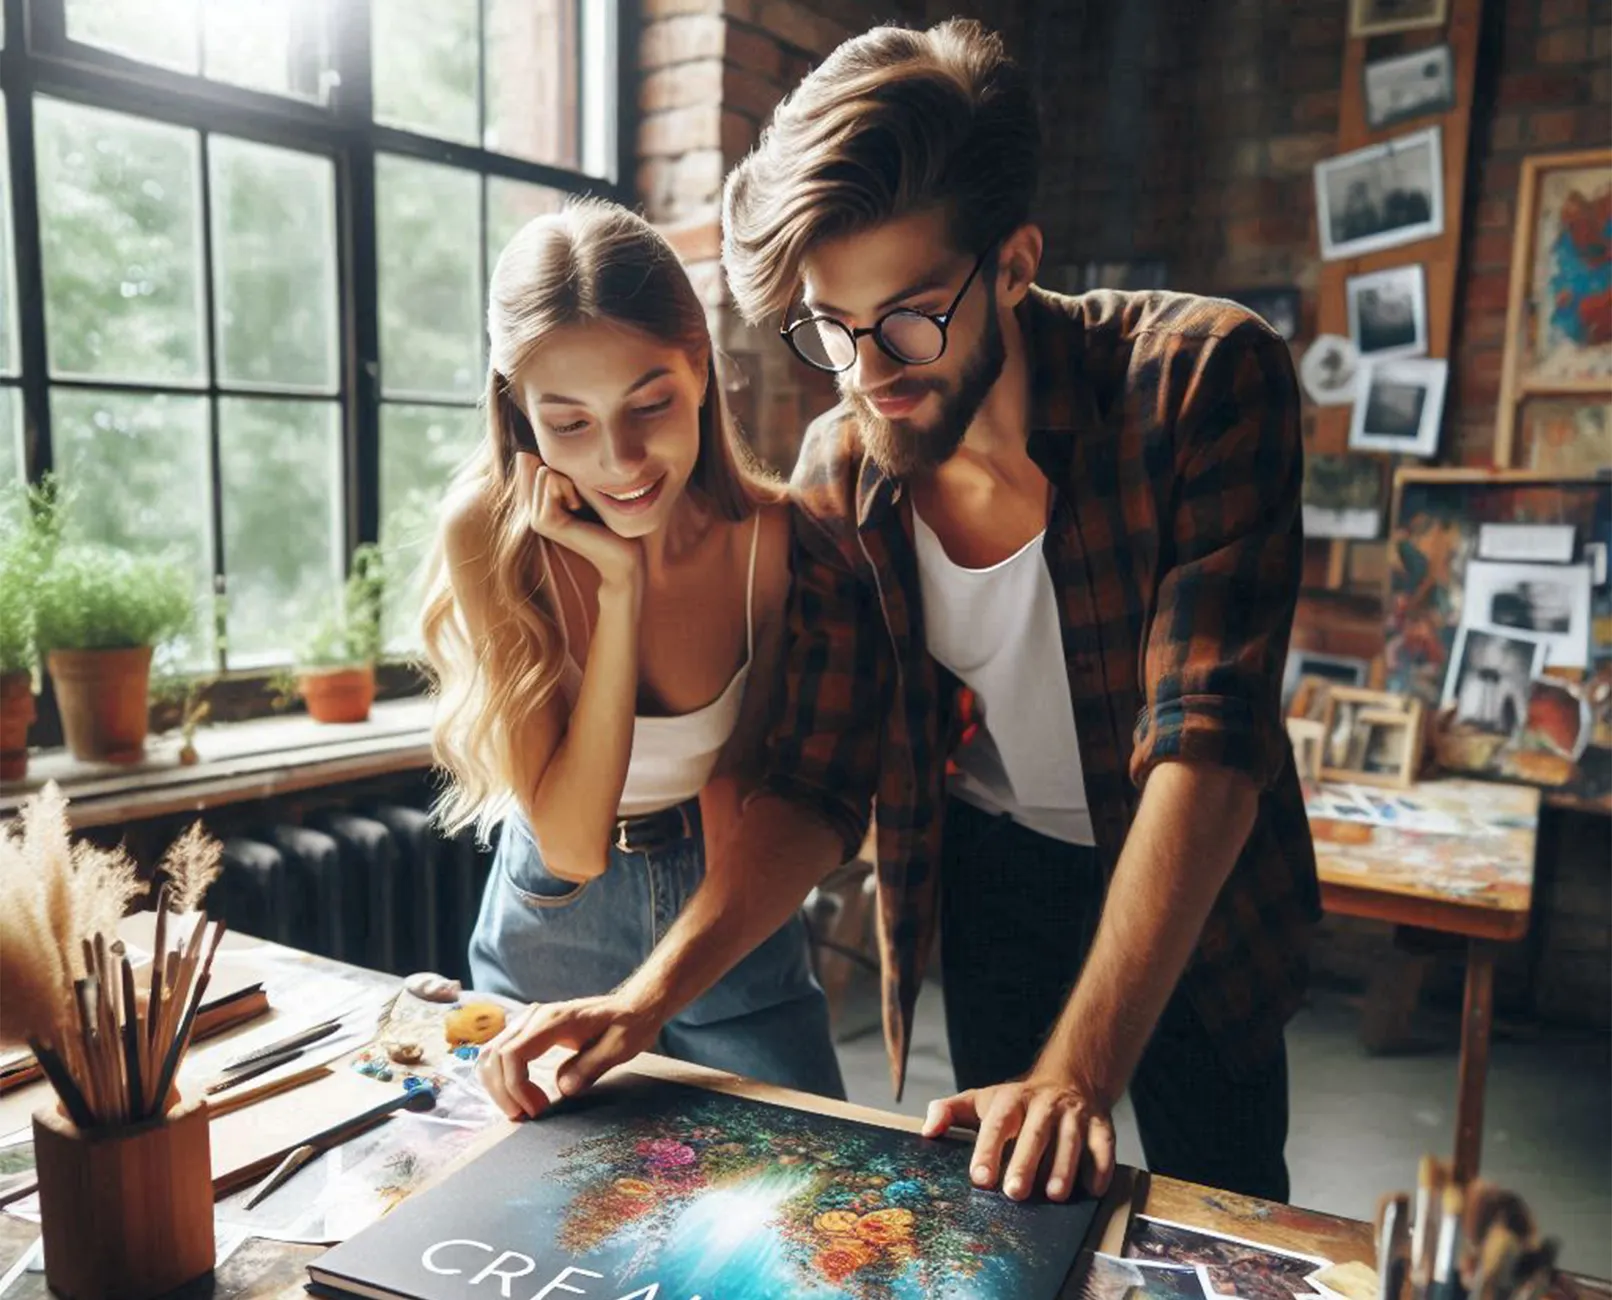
<point x="740" y="1200"/>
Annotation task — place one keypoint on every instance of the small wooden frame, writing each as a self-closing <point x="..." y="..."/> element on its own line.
<point x="1371" y="737"/>
<point x="1307" y="735"/>
<point x="1517" y="384"/>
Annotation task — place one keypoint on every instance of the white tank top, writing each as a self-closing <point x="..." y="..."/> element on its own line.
<point x="997" y="629"/>
<point x="673" y="757"/>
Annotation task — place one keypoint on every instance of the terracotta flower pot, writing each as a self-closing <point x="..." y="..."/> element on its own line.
<point x="338" y="694"/>
<point x="16" y="714"/>
<point x="104" y="700"/>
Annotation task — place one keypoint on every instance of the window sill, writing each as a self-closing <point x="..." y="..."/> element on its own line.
<point x="239" y="761"/>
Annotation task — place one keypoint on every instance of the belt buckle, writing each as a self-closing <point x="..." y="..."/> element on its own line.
<point x="660" y="834"/>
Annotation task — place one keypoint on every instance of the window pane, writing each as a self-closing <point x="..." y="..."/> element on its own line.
<point x="510" y="205"/>
<point x="430" y="284"/>
<point x="137" y="468"/>
<point x="163" y="33"/>
<point x="13" y="463"/>
<point x="119" y="225"/>
<point x="281" y="464"/>
<point x="8" y="328"/>
<point x="278" y="46"/>
<point x="532" y="79"/>
<point x="425" y="66"/>
<point x="274" y="254"/>
<point x="599" y="87"/>
<point x="421" y="447"/>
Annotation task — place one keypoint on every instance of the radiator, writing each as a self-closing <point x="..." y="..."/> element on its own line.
<point x="374" y="884"/>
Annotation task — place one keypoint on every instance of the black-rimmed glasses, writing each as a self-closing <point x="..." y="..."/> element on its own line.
<point x="913" y="338"/>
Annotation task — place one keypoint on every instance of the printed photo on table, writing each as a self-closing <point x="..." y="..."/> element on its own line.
<point x="1409" y="86"/>
<point x="1231" y="1267"/>
<point x="1381" y="196"/>
<point x="1489" y="678"/>
<point x="1403" y="407"/>
<point x="1388" y="312"/>
<point x="1107" y="1277"/>
<point x="1549" y="602"/>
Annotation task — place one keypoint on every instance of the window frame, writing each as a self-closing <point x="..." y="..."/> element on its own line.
<point x="39" y="59"/>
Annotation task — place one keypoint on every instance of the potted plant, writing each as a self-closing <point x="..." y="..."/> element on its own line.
<point x="335" y="667"/>
<point x="29" y="529"/>
<point x="101" y="612"/>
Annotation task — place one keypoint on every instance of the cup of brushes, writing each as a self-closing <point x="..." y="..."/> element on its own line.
<point x="123" y="1161"/>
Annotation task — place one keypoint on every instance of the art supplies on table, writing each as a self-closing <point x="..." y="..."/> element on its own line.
<point x="1454" y="1241"/>
<point x="645" y="1184"/>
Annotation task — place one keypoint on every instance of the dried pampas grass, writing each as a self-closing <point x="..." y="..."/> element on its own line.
<point x="60" y="906"/>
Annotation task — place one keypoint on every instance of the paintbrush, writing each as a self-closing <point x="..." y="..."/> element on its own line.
<point x="1429" y="1180"/>
<point x="131" y="1044"/>
<point x="1393" y="1213"/>
<point x="159" y="963"/>
<point x="61" y="1079"/>
<point x="1497" y="1264"/>
<point x="1446" y="1281"/>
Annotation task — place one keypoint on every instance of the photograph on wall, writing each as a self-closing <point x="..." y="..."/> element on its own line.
<point x="1374" y="17"/>
<point x="1490" y="677"/>
<point x="1403" y="407"/>
<point x="1342" y="497"/>
<point x="1277" y="307"/>
<point x="1381" y="196"/>
<point x="1409" y="86"/>
<point x="1388" y="312"/>
<point x="1329" y="370"/>
<point x="1566" y="323"/>
<point x="1549" y="602"/>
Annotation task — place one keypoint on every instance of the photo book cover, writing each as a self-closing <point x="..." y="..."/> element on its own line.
<point x="649" y="1190"/>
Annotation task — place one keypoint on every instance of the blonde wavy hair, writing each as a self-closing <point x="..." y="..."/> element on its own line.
<point x="594" y="261"/>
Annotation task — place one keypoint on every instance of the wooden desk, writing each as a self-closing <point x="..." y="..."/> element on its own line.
<point x="1477" y="882"/>
<point x="270" y="1270"/>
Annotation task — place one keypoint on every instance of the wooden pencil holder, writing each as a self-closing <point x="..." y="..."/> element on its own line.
<point x="127" y="1213"/>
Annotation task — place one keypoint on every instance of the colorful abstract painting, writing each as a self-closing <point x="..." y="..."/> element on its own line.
<point x="657" y="1191"/>
<point x="1570" y="293"/>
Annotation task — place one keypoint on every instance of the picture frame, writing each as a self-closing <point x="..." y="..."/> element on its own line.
<point x="1371" y="737"/>
<point x="1554" y="347"/>
<point x="1402" y="407"/>
<point x="1342" y="497"/>
<point x="1375" y="17"/>
<point x="1547" y="602"/>
<point x="1408" y="86"/>
<point x="1330" y="370"/>
<point x="1382" y="196"/>
<point x="1562" y="435"/>
<point x="1343" y="670"/>
<point x="1388" y="312"/>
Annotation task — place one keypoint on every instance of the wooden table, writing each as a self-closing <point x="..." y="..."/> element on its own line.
<point x="1477" y="882"/>
<point x="270" y="1270"/>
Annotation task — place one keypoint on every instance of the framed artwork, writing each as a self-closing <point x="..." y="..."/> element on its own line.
<point x="1563" y="435"/>
<point x="1371" y="737"/>
<point x="1388" y="312"/>
<point x="1342" y="497"/>
<point x="1559" y="314"/>
<point x="1403" y="407"/>
<point x="1374" y="17"/>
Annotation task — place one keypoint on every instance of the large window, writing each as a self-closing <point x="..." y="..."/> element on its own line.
<point x="246" y="247"/>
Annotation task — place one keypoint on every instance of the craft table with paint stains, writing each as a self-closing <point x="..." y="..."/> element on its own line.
<point x="261" y="1269"/>
<point x="1475" y="880"/>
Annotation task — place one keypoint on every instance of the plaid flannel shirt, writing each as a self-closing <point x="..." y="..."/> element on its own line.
<point x="1168" y="426"/>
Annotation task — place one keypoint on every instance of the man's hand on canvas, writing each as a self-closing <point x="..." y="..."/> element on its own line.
<point x="602" y="1031"/>
<point x="1055" y="1125"/>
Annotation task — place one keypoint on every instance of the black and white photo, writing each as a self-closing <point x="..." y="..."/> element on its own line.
<point x="1329" y="370"/>
<point x="1373" y="17"/>
<point x="1278" y="307"/>
<point x="1402" y="407"/>
<point x="1381" y="196"/>
<point x="1342" y="496"/>
<point x="1388" y="312"/>
<point x="1409" y="86"/>
<point x="1550" y="602"/>
<point x="1489" y="678"/>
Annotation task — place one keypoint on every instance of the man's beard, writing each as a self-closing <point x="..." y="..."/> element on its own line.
<point x="904" y="448"/>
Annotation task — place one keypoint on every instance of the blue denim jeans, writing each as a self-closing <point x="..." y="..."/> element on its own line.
<point x="543" y="939"/>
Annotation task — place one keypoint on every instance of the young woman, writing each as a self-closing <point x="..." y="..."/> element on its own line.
<point x="604" y="618"/>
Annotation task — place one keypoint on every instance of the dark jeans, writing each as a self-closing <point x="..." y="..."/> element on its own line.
<point x="1018" y="914"/>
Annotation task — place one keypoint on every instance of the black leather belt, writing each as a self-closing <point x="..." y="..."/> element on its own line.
<point x="656" y="830"/>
